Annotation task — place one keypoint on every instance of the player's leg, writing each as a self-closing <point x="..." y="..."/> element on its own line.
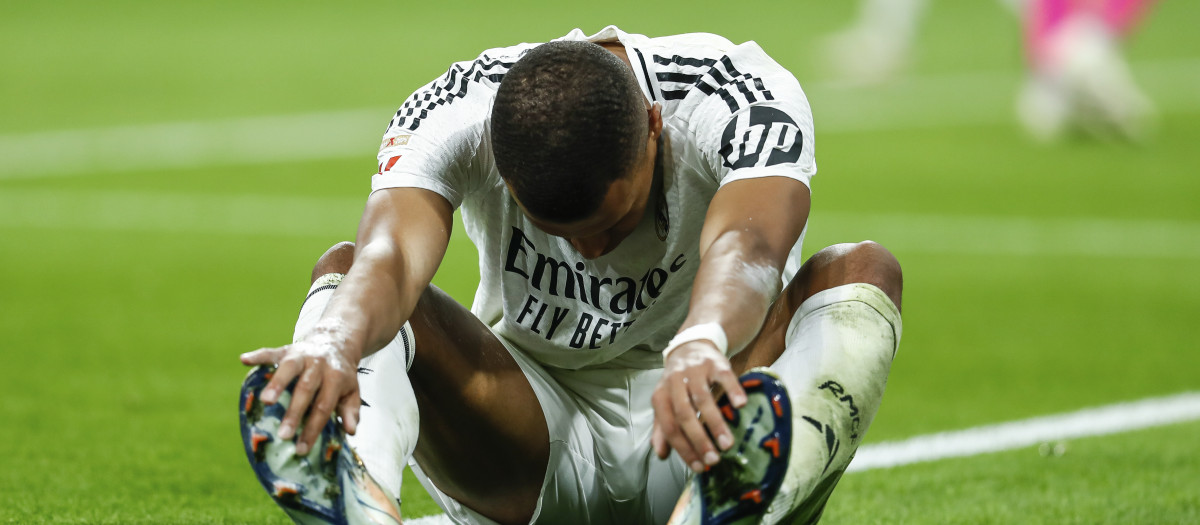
<point x="842" y="332"/>
<point x="388" y="419"/>
<point x="838" y="265"/>
<point x="483" y="439"/>
<point x="875" y="47"/>
<point x="329" y="484"/>
<point x="830" y="339"/>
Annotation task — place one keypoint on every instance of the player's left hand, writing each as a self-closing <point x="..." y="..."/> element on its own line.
<point x="686" y="390"/>
<point x="325" y="383"/>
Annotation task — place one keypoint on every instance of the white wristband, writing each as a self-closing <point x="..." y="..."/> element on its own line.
<point x="706" y="331"/>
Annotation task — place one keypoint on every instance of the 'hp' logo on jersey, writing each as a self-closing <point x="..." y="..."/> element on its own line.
<point x="760" y="137"/>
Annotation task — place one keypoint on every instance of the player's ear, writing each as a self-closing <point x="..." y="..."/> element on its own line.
<point x="654" y="114"/>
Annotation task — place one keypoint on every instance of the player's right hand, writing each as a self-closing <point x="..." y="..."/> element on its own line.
<point x="685" y="409"/>
<point x="327" y="382"/>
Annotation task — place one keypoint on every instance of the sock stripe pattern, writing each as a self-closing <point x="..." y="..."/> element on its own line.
<point x="316" y="290"/>
<point x="328" y="281"/>
<point x="408" y="355"/>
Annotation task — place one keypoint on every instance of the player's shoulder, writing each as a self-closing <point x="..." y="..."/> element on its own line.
<point x="505" y="56"/>
<point x="461" y="94"/>
<point x="706" y="51"/>
<point x="730" y="104"/>
<point x="702" y="71"/>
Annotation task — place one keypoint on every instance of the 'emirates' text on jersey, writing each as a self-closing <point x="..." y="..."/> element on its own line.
<point x="729" y="113"/>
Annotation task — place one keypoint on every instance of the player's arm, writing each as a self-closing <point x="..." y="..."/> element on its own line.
<point x="401" y="239"/>
<point x="750" y="228"/>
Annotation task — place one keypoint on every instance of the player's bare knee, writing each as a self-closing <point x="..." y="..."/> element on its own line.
<point x="337" y="259"/>
<point x="862" y="262"/>
<point x="869" y="262"/>
<point x="881" y="268"/>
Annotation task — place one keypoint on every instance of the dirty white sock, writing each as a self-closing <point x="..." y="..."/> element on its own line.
<point x="388" y="420"/>
<point x="840" y="346"/>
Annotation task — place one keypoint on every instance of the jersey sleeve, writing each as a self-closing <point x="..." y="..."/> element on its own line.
<point x="751" y="118"/>
<point x="434" y="140"/>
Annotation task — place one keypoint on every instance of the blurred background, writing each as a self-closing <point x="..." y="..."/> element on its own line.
<point x="169" y="172"/>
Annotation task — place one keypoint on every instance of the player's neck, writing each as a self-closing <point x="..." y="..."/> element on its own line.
<point x="617" y="48"/>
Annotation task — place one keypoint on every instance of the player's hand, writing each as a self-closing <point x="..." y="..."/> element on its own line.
<point x="328" y="380"/>
<point x="685" y="391"/>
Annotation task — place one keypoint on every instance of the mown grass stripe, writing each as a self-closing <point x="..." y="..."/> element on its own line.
<point x="322" y="217"/>
<point x="978" y="98"/>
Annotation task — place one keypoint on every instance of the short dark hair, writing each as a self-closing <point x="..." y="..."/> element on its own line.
<point x="568" y="120"/>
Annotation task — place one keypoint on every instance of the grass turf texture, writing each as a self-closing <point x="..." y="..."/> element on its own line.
<point x="1139" y="477"/>
<point x="123" y="320"/>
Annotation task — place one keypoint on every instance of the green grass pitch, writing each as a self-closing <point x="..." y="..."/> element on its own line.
<point x="128" y="291"/>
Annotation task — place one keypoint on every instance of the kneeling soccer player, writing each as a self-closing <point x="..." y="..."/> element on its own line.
<point x="644" y="345"/>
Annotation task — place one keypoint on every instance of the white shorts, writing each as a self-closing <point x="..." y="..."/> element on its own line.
<point x="602" y="468"/>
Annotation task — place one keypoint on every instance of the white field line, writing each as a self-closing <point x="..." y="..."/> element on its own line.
<point x="1100" y="421"/>
<point x="908" y="103"/>
<point x="338" y="217"/>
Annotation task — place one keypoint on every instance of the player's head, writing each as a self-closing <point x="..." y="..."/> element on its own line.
<point x="573" y="138"/>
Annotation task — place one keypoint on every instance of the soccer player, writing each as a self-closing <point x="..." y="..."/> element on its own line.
<point x="643" y="318"/>
<point x="1077" y="79"/>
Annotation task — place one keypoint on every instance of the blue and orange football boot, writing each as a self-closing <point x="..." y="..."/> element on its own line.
<point x="328" y="485"/>
<point x="739" y="488"/>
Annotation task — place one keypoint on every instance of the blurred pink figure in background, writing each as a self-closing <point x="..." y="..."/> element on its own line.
<point x="1078" y="80"/>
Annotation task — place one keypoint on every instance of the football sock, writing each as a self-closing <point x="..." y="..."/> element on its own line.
<point x="840" y="346"/>
<point x="318" y="298"/>
<point x="388" y="421"/>
<point x="315" y="302"/>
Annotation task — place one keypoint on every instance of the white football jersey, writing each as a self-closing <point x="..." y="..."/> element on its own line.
<point x="729" y="113"/>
